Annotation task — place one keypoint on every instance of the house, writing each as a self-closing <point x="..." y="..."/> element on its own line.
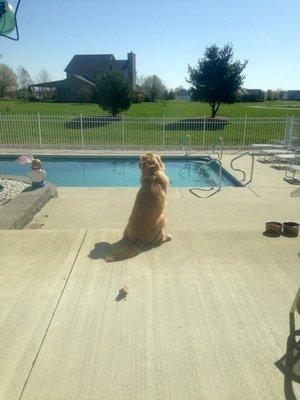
<point x="251" y="94"/>
<point x="292" y="95"/>
<point x="182" y="95"/>
<point x="82" y="73"/>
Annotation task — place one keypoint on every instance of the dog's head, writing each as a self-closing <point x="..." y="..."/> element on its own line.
<point x="149" y="163"/>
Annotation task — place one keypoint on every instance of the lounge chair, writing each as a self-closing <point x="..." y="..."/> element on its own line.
<point x="267" y="146"/>
<point x="270" y="153"/>
<point x="286" y="158"/>
<point x="271" y="144"/>
<point x="264" y="146"/>
<point x="293" y="169"/>
<point x="274" y="153"/>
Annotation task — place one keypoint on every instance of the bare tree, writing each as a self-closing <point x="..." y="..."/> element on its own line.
<point x="24" y="80"/>
<point x="280" y="94"/>
<point x="269" y="95"/>
<point x="153" y="88"/>
<point x="8" y="79"/>
<point x="43" y="76"/>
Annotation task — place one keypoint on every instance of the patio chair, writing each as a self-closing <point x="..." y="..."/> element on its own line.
<point x="267" y="146"/>
<point x="271" y="144"/>
<point x="273" y="154"/>
<point x="286" y="158"/>
<point x="293" y="169"/>
<point x="269" y="154"/>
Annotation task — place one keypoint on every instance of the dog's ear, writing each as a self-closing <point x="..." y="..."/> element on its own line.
<point x="160" y="163"/>
<point x="142" y="162"/>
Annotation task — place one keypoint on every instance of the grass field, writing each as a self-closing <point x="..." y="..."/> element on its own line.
<point x="59" y="125"/>
<point x="170" y="108"/>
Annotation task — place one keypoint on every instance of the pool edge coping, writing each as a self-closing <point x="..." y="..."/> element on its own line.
<point x="20" y="210"/>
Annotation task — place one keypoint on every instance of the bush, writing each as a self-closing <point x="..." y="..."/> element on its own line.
<point x="138" y="98"/>
<point x="113" y="92"/>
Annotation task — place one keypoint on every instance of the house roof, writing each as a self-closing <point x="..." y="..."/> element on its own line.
<point x="90" y="63"/>
<point x="182" y="92"/>
<point x="253" y="91"/>
<point x="84" y="79"/>
<point x="62" y="82"/>
<point x="122" y="64"/>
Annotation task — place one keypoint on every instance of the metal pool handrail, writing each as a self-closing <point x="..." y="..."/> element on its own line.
<point x="240" y="170"/>
<point x="187" y="149"/>
<point x="219" y="153"/>
<point x="220" y="179"/>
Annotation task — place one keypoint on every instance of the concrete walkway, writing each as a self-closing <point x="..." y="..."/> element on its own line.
<point x="206" y="316"/>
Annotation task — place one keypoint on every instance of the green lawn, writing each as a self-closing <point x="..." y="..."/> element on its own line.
<point x="170" y="108"/>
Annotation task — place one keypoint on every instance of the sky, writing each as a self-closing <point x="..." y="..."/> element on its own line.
<point x="165" y="35"/>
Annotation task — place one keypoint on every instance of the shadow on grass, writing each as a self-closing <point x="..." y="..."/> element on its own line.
<point x="92" y="121"/>
<point x="198" y="124"/>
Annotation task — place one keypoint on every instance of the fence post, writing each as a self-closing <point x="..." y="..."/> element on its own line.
<point x="39" y="129"/>
<point x="164" y="131"/>
<point x="286" y="128"/>
<point x="81" y="131"/>
<point x="123" y="132"/>
<point x="291" y="130"/>
<point x="245" y="127"/>
<point x="1" y="130"/>
<point x="204" y="129"/>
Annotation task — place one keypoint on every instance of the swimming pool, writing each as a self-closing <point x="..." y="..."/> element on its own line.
<point x="119" y="171"/>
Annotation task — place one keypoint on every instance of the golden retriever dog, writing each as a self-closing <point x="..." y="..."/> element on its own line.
<point x="146" y="225"/>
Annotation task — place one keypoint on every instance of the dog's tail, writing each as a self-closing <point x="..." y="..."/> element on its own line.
<point x="124" y="253"/>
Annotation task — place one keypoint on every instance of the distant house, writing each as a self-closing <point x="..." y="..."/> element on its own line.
<point x="251" y="94"/>
<point x="291" y="95"/>
<point x="82" y="73"/>
<point x="182" y="95"/>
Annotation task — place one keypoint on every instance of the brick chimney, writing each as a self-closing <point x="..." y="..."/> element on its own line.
<point x="132" y="70"/>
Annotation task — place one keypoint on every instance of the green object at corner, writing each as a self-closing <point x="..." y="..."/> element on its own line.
<point x="7" y="18"/>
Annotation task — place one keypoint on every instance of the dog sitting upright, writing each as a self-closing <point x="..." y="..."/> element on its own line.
<point x="146" y="225"/>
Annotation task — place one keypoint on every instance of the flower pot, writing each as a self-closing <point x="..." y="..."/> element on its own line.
<point x="291" y="229"/>
<point x="273" y="228"/>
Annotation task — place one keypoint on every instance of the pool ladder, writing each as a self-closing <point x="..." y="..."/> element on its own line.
<point x="219" y="153"/>
<point x="219" y="188"/>
<point x="188" y="147"/>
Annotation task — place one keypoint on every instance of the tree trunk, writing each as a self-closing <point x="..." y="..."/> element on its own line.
<point x="214" y="109"/>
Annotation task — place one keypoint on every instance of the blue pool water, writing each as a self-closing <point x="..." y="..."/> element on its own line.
<point x="115" y="171"/>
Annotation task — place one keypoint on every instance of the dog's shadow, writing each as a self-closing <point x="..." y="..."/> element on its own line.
<point x="104" y="250"/>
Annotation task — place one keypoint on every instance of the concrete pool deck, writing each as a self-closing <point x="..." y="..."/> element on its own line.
<point x="206" y="315"/>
